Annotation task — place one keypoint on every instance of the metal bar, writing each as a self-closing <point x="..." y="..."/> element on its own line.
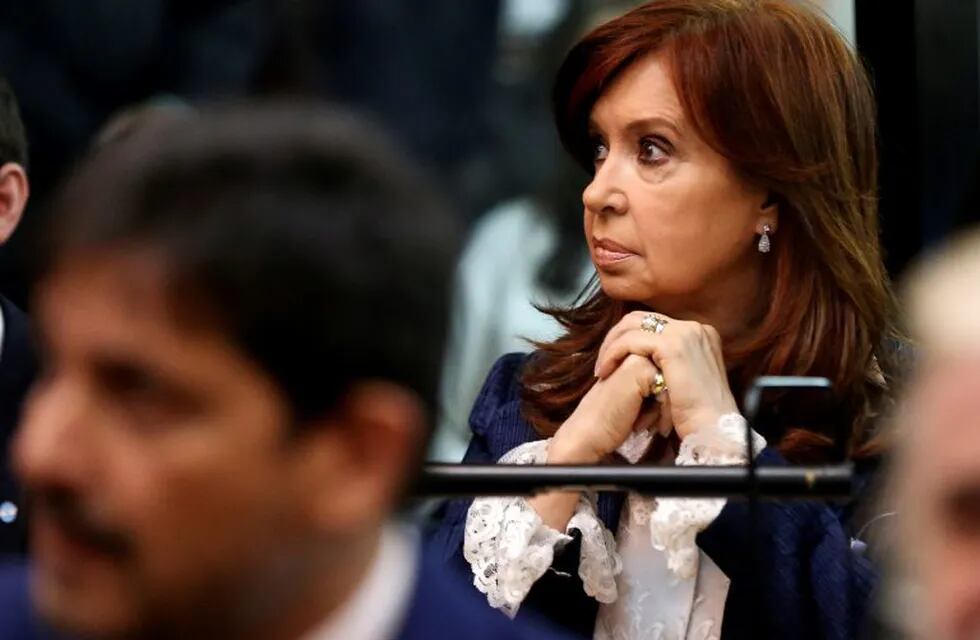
<point x="772" y="483"/>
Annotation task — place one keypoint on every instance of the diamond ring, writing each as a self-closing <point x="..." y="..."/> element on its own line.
<point x="653" y="322"/>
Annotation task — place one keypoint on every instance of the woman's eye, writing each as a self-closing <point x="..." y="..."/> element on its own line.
<point x="651" y="151"/>
<point x="599" y="151"/>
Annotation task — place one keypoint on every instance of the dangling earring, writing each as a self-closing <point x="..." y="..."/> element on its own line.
<point x="764" y="244"/>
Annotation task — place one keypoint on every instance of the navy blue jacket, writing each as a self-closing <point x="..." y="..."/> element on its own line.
<point x="18" y="367"/>
<point x="439" y="608"/>
<point x="792" y="571"/>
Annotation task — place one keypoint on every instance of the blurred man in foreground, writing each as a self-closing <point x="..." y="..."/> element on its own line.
<point x="937" y="475"/>
<point x="242" y="322"/>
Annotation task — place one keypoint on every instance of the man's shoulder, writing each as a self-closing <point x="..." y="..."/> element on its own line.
<point x="16" y="619"/>
<point x="446" y="605"/>
<point x="13" y="583"/>
<point x="18" y="368"/>
<point x="17" y="352"/>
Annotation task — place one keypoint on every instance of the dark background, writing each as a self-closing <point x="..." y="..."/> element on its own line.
<point x="461" y="87"/>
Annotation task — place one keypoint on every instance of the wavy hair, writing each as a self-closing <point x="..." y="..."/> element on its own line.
<point x="772" y="87"/>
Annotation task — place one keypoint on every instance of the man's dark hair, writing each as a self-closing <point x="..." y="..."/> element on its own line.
<point x="13" y="137"/>
<point x="297" y="231"/>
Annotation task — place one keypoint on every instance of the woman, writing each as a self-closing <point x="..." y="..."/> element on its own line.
<point x="732" y="221"/>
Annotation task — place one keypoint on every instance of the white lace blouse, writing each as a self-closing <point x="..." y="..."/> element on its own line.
<point x="650" y="579"/>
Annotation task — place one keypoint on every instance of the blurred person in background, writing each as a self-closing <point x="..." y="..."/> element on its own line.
<point x="936" y="476"/>
<point x="242" y="318"/>
<point x="523" y="253"/>
<point x="73" y="65"/>
<point x="732" y="219"/>
<point x="527" y="251"/>
<point x="17" y="358"/>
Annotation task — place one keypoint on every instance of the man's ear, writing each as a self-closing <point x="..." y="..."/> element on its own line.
<point x="359" y="460"/>
<point x="14" y="191"/>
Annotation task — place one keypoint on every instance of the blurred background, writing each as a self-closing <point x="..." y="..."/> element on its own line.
<point x="464" y="86"/>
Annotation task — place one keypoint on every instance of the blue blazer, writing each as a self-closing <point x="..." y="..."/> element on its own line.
<point x="17" y="621"/>
<point x="18" y="366"/>
<point x="440" y="607"/>
<point x="793" y="573"/>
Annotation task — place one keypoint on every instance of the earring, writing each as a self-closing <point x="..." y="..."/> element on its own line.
<point x="764" y="244"/>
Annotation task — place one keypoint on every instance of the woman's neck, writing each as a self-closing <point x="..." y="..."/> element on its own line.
<point x="733" y="306"/>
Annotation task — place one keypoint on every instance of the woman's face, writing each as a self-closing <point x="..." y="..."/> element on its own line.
<point x="668" y="222"/>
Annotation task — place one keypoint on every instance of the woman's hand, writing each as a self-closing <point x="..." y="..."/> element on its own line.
<point x="606" y="415"/>
<point x="689" y="355"/>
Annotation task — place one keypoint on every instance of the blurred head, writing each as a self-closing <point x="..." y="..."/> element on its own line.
<point x="14" y="188"/>
<point x="241" y="323"/>
<point x="937" y="474"/>
<point x="702" y="123"/>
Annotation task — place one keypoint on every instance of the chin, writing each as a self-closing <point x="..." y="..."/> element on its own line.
<point x="626" y="289"/>
<point x="78" y="609"/>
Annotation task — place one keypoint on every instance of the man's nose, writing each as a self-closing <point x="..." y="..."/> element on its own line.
<point x="54" y="444"/>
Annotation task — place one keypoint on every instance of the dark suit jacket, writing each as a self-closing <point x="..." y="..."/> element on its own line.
<point x="792" y="571"/>
<point x="18" y="366"/>
<point x="440" y="607"/>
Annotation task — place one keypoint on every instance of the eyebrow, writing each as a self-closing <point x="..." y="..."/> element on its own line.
<point x="643" y="124"/>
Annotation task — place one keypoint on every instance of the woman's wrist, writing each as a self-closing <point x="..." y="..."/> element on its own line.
<point x="707" y="419"/>
<point x="567" y="448"/>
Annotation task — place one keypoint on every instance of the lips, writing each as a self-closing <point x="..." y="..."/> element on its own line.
<point x="607" y="253"/>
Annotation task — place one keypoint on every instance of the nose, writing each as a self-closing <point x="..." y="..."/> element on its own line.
<point x="52" y="446"/>
<point x="604" y="195"/>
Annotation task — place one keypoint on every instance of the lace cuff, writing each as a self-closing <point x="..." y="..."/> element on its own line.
<point x="676" y="522"/>
<point x="509" y="547"/>
<point x="725" y="444"/>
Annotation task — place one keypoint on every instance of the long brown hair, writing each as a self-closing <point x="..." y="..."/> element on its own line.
<point x="772" y="87"/>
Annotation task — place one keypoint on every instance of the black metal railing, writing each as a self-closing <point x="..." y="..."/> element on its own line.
<point x="748" y="481"/>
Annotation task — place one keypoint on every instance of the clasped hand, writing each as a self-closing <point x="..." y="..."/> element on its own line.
<point x="688" y="355"/>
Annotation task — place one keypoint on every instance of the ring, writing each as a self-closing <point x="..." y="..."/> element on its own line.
<point x="653" y="322"/>
<point x="659" y="384"/>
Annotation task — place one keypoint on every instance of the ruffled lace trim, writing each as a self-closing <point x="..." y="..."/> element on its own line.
<point x="725" y="444"/>
<point x="599" y="562"/>
<point x="676" y="522"/>
<point x="509" y="547"/>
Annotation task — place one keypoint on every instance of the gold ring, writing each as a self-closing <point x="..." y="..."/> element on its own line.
<point x="653" y="322"/>
<point x="659" y="384"/>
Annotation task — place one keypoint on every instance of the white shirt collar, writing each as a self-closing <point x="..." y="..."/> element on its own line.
<point x="378" y="606"/>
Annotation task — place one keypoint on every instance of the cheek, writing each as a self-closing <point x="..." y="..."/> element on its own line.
<point x="693" y="216"/>
<point x="693" y="228"/>
<point x="953" y="583"/>
<point x="945" y="557"/>
<point x="202" y="503"/>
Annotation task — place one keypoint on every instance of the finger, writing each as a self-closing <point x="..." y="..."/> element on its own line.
<point x="649" y="417"/>
<point x="647" y="376"/>
<point x="637" y="342"/>
<point x="676" y="336"/>
<point x="665" y="423"/>
<point x="635" y="376"/>
<point x="626" y="323"/>
<point x="631" y="325"/>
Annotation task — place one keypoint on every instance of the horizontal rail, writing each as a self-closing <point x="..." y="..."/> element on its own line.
<point x="772" y="483"/>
